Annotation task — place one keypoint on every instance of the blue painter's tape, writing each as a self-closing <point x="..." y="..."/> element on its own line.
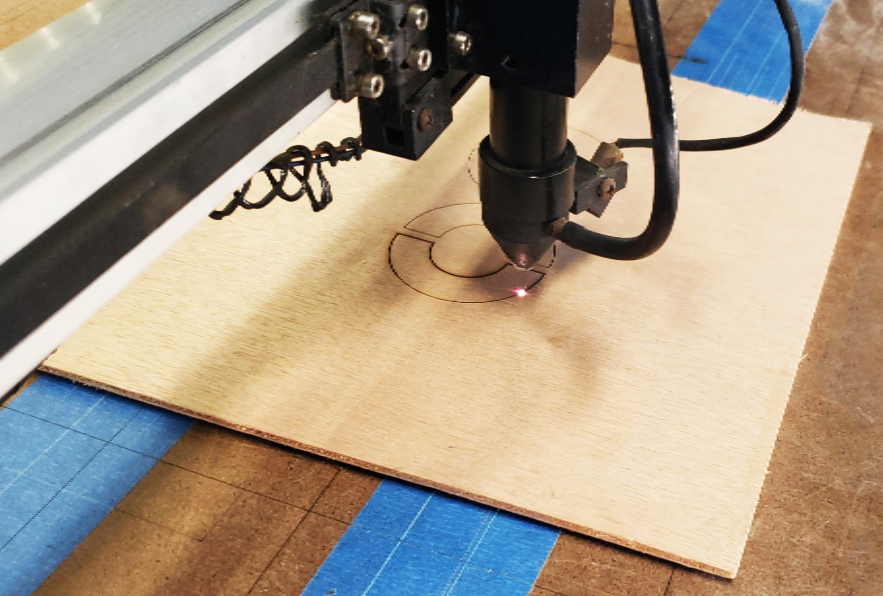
<point x="477" y="580"/>
<point x="450" y="526"/>
<point x="108" y="417"/>
<point x="743" y="46"/>
<point x="23" y="569"/>
<point x="152" y="431"/>
<point x="23" y="498"/>
<point x="44" y="543"/>
<point x="112" y="473"/>
<point x="437" y="545"/>
<point x="62" y="524"/>
<point x="44" y="388"/>
<point x="7" y="477"/>
<point x="61" y="462"/>
<point x="30" y="436"/>
<point x="515" y="547"/>
<point x="352" y="565"/>
<point x="55" y="400"/>
<point x="62" y="476"/>
<point x="411" y="570"/>
<point x="392" y="508"/>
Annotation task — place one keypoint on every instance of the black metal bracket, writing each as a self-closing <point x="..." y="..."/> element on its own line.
<point x="354" y="67"/>
<point x="413" y="54"/>
<point x="595" y="186"/>
<point x="552" y="49"/>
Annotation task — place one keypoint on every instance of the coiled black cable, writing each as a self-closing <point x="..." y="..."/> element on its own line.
<point x="798" y="65"/>
<point x="287" y="164"/>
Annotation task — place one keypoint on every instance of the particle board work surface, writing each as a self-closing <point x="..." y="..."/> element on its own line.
<point x="636" y="402"/>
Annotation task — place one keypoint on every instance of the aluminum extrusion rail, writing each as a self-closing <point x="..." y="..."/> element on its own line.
<point x="205" y="91"/>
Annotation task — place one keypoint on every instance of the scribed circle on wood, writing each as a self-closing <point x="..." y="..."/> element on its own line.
<point x="447" y="254"/>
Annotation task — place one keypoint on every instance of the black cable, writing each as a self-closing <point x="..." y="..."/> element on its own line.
<point x="657" y="83"/>
<point x="798" y="63"/>
<point x="284" y="165"/>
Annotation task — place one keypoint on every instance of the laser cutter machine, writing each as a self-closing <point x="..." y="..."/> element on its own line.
<point x="126" y="122"/>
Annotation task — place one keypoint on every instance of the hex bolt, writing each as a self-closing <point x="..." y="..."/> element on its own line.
<point x="380" y="48"/>
<point x="461" y="43"/>
<point x="420" y="59"/>
<point x="607" y="189"/>
<point x="371" y="85"/>
<point x="365" y="24"/>
<point x="418" y="17"/>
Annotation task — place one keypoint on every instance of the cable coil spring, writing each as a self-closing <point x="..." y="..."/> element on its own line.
<point x="288" y="163"/>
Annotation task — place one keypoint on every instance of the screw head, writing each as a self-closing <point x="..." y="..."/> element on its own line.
<point x="461" y="43"/>
<point x="418" y="17"/>
<point x="380" y="48"/>
<point x="424" y="119"/>
<point x="365" y="24"/>
<point x="420" y="59"/>
<point x="371" y="85"/>
<point x="607" y="189"/>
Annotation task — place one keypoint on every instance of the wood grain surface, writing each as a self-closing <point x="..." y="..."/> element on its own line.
<point x="20" y="18"/>
<point x="635" y="402"/>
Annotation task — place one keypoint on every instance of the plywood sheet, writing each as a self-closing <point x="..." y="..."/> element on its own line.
<point x="20" y="18"/>
<point x="635" y="402"/>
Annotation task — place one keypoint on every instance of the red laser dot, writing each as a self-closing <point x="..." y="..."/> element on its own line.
<point x="520" y="292"/>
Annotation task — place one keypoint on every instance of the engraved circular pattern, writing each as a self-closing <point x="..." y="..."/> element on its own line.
<point x="447" y="254"/>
